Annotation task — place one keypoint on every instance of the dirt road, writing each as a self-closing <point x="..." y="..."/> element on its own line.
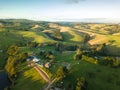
<point x="42" y="73"/>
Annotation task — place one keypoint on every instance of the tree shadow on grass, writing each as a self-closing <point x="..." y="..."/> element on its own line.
<point x="28" y="79"/>
<point x="67" y="37"/>
<point x="112" y="50"/>
<point x="27" y="83"/>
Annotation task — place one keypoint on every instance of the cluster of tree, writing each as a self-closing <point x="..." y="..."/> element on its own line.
<point x="101" y="49"/>
<point x="81" y="84"/>
<point x="55" y="34"/>
<point x="23" y="24"/>
<point x="78" y="54"/>
<point x="10" y="66"/>
<point x="48" y="55"/>
<point x="109" y="61"/>
<point x="86" y="38"/>
<point x="18" y="26"/>
<point x="61" y="72"/>
<point x="89" y="59"/>
<point x="23" y="27"/>
<point x="70" y="47"/>
<point x="62" y="47"/>
<point x="115" y="28"/>
<point x="7" y="24"/>
<point x="92" y="56"/>
<point x="14" y="59"/>
<point x="59" y="47"/>
<point x="12" y="50"/>
<point x="32" y="44"/>
<point x="22" y="57"/>
<point x="98" y="49"/>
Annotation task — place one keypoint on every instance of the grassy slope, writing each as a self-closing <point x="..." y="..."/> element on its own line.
<point x="101" y="74"/>
<point x="98" y="39"/>
<point x="30" y="76"/>
<point x="72" y="36"/>
<point x="103" y="37"/>
<point x="113" y="48"/>
<point x="102" y="78"/>
<point x="116" y="38"/>
<point x="7" y="39"/>
<point x="106" y="37"/>
<point x="37" y="36"/>
<point x="29" y="79"/>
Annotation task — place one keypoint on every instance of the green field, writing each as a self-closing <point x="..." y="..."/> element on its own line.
<point x="29" y="79"/>
<point x="95" y="75"/>
<point x="72" y="36"/>
<point x="37" y="36"/>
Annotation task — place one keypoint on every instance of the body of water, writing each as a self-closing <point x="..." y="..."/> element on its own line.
<point x="4" y="81"/>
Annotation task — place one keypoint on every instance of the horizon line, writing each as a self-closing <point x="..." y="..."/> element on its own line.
<point x="87" y="20"/>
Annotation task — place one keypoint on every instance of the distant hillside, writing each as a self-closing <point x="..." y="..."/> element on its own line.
<point x="68" y="32"/>
<point x="89" y="20"/>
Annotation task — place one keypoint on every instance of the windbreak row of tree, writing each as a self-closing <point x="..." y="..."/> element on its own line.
<point x="14" y="60"/>
<point x="25" y="25"/>
<point x="97" y="56"/>
<point x="62" y="73"/>
<point x="59" y="46"/>
<point x="110" y="61"/>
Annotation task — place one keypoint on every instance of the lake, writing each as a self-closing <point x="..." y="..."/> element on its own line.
<point x="4" y="81"/>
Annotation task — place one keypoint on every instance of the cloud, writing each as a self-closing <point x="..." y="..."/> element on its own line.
<point x="74" y="1"/>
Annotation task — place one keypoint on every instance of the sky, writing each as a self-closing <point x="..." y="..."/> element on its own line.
<point x="51" y="10"/>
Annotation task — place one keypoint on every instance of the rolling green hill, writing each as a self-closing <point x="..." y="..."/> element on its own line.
<point x="61" y="39"/>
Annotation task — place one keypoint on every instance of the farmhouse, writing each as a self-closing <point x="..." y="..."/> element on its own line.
<point x="33" y="58"/>
<point x="47" y="65"/>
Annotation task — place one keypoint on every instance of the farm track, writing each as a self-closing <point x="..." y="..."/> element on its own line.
<point x="42" y="73"/>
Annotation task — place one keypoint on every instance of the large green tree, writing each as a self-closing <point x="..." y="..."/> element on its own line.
<point x="80" y="83"/>
<point x="10" y="66"/>
<point x="61" y="73"/>
<point x="78" y="54"/>
<point x="12" y="50"/>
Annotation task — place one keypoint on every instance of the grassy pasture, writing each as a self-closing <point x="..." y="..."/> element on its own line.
<point x="28" y="79"/>
<point x="37" y="36"/>
<point x="8" y="38"/>
<point x="98" y="77"/>
<point x="72" y="36"/>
